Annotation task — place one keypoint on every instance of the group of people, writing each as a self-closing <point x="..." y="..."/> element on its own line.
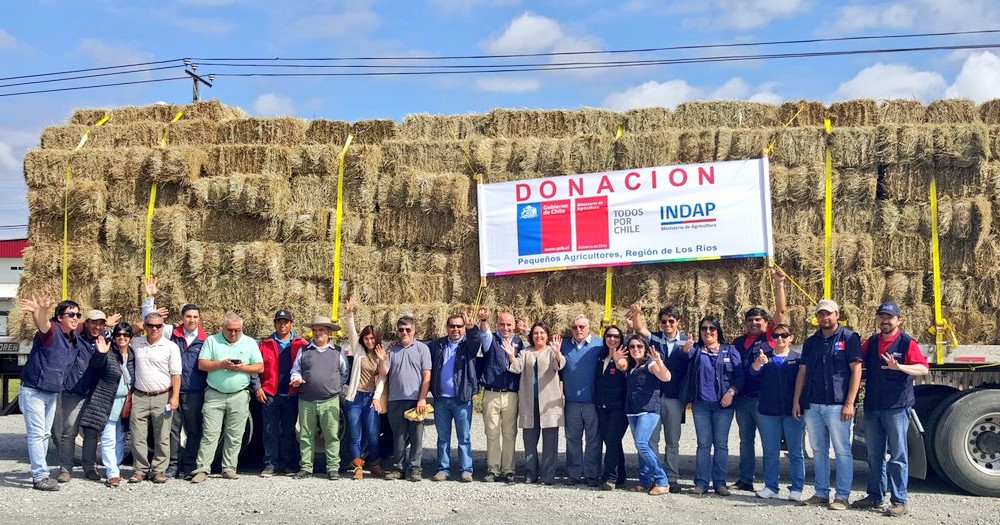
<point x="178" y="380"/>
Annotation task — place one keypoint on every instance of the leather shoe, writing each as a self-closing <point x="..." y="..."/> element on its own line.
<point x="113" y="482"/>
<point x="137" y="477"/>
<point x="159" y="477"/>
<point x="743" y="485"/>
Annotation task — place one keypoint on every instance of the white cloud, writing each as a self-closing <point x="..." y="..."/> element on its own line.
<point x="273" y="105"/>
<point x="193" y="24"/>
<point x="7" y="160"/>
<point x="945" y="15"/>
<point x="892" y="81"/>
<point x="750" y="14"/>
<point x="673" y="92"/>
<point x="7" y="41"/>
<point x="110" y="54"/>
<point x="508" y="84"/>
<point x="531" y="33"/>
<point x="466" y="6"/>
<point x="979" y="78"/>
<point x="356" y="19"/>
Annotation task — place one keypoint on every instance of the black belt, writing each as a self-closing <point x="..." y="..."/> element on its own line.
<point x="137" y="391"/>
<point x="491" y="389"/>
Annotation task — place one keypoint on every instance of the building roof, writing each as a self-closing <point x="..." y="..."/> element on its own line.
<point x="12" y="249"/>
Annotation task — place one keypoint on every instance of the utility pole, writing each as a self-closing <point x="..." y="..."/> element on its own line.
<point x="195" y="79"/>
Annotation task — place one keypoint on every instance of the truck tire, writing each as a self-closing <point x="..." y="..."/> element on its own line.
<point x="967" y="442"/>
<point x="930" y="429"/>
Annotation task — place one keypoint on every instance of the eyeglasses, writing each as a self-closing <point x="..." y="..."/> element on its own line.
<point x="455" y="326"/>
<point x="122" y="334"/>
<point x="155" y="326"/>
<point x="579" y="326"/>
<point x="668" y="321"/>
<point x="77" y="315"/>
<point x="636" y="347"/>
<point x="405" y="330"/>
<point x="616" y="336"/>
<point x="709" y="329"/>
<point x="782" y="336"/>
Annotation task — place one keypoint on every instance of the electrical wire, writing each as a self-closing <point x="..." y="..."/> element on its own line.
<point x="93" y="86"/>
<point x="71" y="71"/>
<point x="88" y="76"/>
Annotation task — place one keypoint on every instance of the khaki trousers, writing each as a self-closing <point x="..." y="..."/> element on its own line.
<point x="500" y="419"/>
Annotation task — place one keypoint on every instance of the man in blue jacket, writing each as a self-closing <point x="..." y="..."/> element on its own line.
<point x="500" y="387"/>
<point x="453" y="383"/>
<point x="583" y="353"/>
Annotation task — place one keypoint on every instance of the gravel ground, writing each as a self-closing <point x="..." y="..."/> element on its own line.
<point x="252" y="499"/>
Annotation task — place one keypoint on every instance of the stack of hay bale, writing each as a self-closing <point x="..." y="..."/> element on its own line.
<point x="245" y="210"/>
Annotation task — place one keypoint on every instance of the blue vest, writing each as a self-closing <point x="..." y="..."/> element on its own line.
<point x="677" y="363"/>
<point x="49" y="366"/>
<point x="193" y="379"/>
<point x="81" y="379"/>
<point x="643" y="390"/>
<point x="751" y="387"/>
<point x="493" y="369"/>
<point x="887" y="389"/>
<point x="728" y="372"/>
<point x="777" y="386"/>
<point x="828" y="370"/>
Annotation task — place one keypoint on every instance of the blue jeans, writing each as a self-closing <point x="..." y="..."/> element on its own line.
<point x="747" y="420"/>
<point x="39" y="409"/>
<point x="446" y="410"/>
<point x="711" y="426"/>
<point x="651" y="472"/>
<point x="771" y="430"/>
<point x="825" y="427"/>
<point x="362" y="419"/>
<point x="887" y="428"/>
<point x="112" y="447"/>
<point x="281" y="446"/>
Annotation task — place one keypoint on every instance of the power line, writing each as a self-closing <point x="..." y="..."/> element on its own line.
<point x="78" y="77"/>
<point x="93" y="86"/>
<point x="71" y="71"/>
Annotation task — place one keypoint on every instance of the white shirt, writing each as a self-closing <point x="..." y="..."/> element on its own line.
<point x="155" y="363"/>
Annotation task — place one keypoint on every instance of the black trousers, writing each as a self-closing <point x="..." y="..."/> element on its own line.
<point x="612" y="424"/>
<point x="188" y="417"/>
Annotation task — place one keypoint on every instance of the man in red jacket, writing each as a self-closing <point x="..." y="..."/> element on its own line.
<point x="280" y="400"/>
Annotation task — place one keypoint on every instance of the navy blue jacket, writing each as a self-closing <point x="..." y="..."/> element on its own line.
<point x="192" y="378"/>
<point x="495" y="375"/>
<point x="828" y="370"/>
<point x="609" y="387"/>
<point x="83" y="378"/>
<point x="466" y="382"/>
<point x="751" y="387"/>
<point x="887" y="389"/>
<point x="777" y="385"/>
<point x="109" y="370"/>
<point x="677" y="362"/>
<point x="51" y="361"/>
<point x="643" y="390"/>
<point x="727" y="374"/>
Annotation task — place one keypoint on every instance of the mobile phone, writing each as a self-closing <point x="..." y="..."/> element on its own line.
<point x="236" y="361"/>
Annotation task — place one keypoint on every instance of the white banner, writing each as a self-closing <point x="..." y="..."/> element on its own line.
<point x="692" y="212"/>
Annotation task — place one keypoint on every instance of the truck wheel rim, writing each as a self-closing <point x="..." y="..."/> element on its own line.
<point x="982" y="444"/>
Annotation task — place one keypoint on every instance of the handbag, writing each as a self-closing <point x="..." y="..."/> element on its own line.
<point x="127" y="407"/>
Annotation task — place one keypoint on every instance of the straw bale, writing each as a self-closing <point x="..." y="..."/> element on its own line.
<point x="649" y="149"/>
<point x="87" y="117"/>
<point x="906" y="252"/>
<point x="226" y="159"/>
<point x="909" y="144"/>
<point x="306" y="224"/>
<point x="429" y="191"/>
<point x="85" y="202"/>
<point x="854" y="184"/>
<point x="45" y="260"/>
<point x="852" y="253"/>
<point x="592" y="154"/>
<point x="951" y="111"/>
<point x="373" y="131"/>
<point x="119" y="290"/>
<point x="208" y="110"/>
<point x="697" y="146"/>
<point x="223" y="225"/>
<point x="960" y="146"/>
<point x="365" y="178"/>
<point x="812" y="114"/>
<point x="322" y="131"/>
<point x="795" y="219"/>
<point x="413" y="227"/>
<point x="65" y="136"/>
<point x="428" y="155"/>
<point x="954" y="292"/>
<point x="778" y="175"/>
<point x="853" y="147"/>
<point x="906" y="183"/>
<point x="47" y="168"/>
<point x="901" y="111"/>
<point x="864" y="287"/>
<point x="726" y="114"/>
<point x="285" y="131"/>
<point x="44" y="168"/>
<point x="198" y="132"/>
<point x="904" y="287"/>
<point x="176" y="164"/>
<point x="173" y="225"/>
<point x="742" y="144"/>
<point x="648" y="120"/>
<point x="854" y="113"/>
<point x="255" y="261"/>
<point x="989" y="112"/>
<point x="421" y="126"/>
<point x="255" y="195"/>
<point x="799" y="146"/>
<point x="986" y="260"/>
<point x="505" y="123"/>
<point x="800" y="253"/>
<point x="806" y="183"/>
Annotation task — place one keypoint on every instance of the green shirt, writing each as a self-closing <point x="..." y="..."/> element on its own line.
<point x="217" y="348"/>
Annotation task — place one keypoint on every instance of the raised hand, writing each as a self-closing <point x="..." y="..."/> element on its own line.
<point x="113" y="319"/>
<point x="103" y="346"/>
<point x="380" y="352"/>
<point x="761" y="360"/>
<point x="508" y="347"/>
<point x="688" y="345"/>
<point x="467" y="319"/>
<point x="483" y="315"/>
<point x="163" y="311"/>
<point x="351" y="306"/>
<point x="556" y="344"/>
<point x="890" y="362"/>
<point x="522" y="326"/>
<point x="618" y="353"/>
<point x="778" y="275"/>
<point x="29" y="305"/>
<point x="152" y="287"/>
<point x="636" y="308"/>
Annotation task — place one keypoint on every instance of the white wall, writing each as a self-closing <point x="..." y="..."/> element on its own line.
<point x="7" y="275"/>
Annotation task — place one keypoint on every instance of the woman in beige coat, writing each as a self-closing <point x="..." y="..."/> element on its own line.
<point x="540" y="401"/>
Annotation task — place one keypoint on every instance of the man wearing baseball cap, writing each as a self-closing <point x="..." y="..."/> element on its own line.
<point x="279" y="399"/>
<point x="826" y="389"/>
<point x="888" y="399"/>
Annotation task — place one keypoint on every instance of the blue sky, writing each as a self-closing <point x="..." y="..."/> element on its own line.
<point x="51" y="35"/>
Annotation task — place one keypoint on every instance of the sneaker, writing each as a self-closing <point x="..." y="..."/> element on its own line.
<point x="92" y="475"/>
<point x="766" y="493"/>
<point x="491" y="477"/>
<point x="267" y="472"/>
<point x="795" y="495"/>
<point x="816" y="500"/>
<point x="393" y="474"/>
<point x="47" y="484"/>
<point x="659" y="490"/>
<point x="508" y="477"/>
<point x="439" y="476"/>
<point x="230" y="474"/>
<point x="140" y="476"/>
<point x="896" y="510"/>
<point x="113" y="482"/>
<point x="722" y="490"/>
<point x="839" y="504"/>
<point x="302" y="474"/>
<point x="333" y="475"/>
<point x="697" y="491"/>
<point x="171" y="472"/>
<point x="64" y="476"/>
<point x="868" y="502"/>
<point x="743" y="485"/>
<point x="675" y="488"/>
<point x="159" y="477"/>
<point x="197" y="478"/>
<point x="415" y="475"/>
<point x="466" y="477"/>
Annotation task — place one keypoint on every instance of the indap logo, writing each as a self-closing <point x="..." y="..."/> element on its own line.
<point x="687" y="213"/>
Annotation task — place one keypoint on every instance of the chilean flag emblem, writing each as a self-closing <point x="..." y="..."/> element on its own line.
<point x="840" y="346"/>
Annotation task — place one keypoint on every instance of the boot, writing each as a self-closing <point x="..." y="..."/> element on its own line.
<point x="375" y="467"/>
<point x="358" y="465"/>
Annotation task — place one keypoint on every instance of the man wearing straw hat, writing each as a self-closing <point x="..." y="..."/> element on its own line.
<point x="230" y="358"/>
<point x="825" y="391"/>
<point x="319" y="373"/>
<point x="888" y="398"/>
<point x="409" y="378"/>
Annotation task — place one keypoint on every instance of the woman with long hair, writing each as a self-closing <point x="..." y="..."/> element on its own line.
<point x="540" y="400"/>
<point x="609" y="397"/>
<point x="362" y="397"/>
<point x="642" y="408"/>
<point x="713" y="379"/>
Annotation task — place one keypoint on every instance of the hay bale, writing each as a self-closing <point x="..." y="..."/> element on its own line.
<point x="44" y="261"/>
<point x="852" y="253"/>
<point x="799" y="146"/>
<point x="85" y="201"/>
<point x="960" y="146"/>
<point x="226" y="159"/>
<point x="806" y="183"/>
<point x="45" y="230"/>
<point x="853" y="147"/>
<point x="746" y="144"/>
<point x="697" y="146"/>
<point x="854" y="184"/>
<point x="322" y="131"/>
<point x="285" y="131"/>
<point x="989" y="112"/>
<point x="906" y="183"/>
<point x="854" y="113"/>
<point x="423" y="126"/>
<point x="208" y="110"/>
<point x="901" y="111"/>
<point x="373" y="131"/>
<point x="726" y="114"/>
<point x="647" y="120"/>
<point x="911" y="145"/>
<point x="907" y="252"/>
<point x="812" y="113"/>
<point x="504" y="123"/>
<point x="951" y="111"/>
<point x="65" y="136"/>
<point x="255" y="195"/>
<point x="176" y="164"/>
<point x="428" y="191"/>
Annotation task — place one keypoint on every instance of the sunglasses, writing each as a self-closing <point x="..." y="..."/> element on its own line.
<point x="404" y="330"/>
<point x="122" y="334"/>
<point x="616" y="336"/>
<point x="668" y="321"/>
<point x="782" y="336"/>
<point x="579" y="327"/>
<point x="455" y="326"/>
<point x="154" y="326"/>
<point x="71" y="315"/>
<point x="709" y="329"/>
<point x="636" y="347"/>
